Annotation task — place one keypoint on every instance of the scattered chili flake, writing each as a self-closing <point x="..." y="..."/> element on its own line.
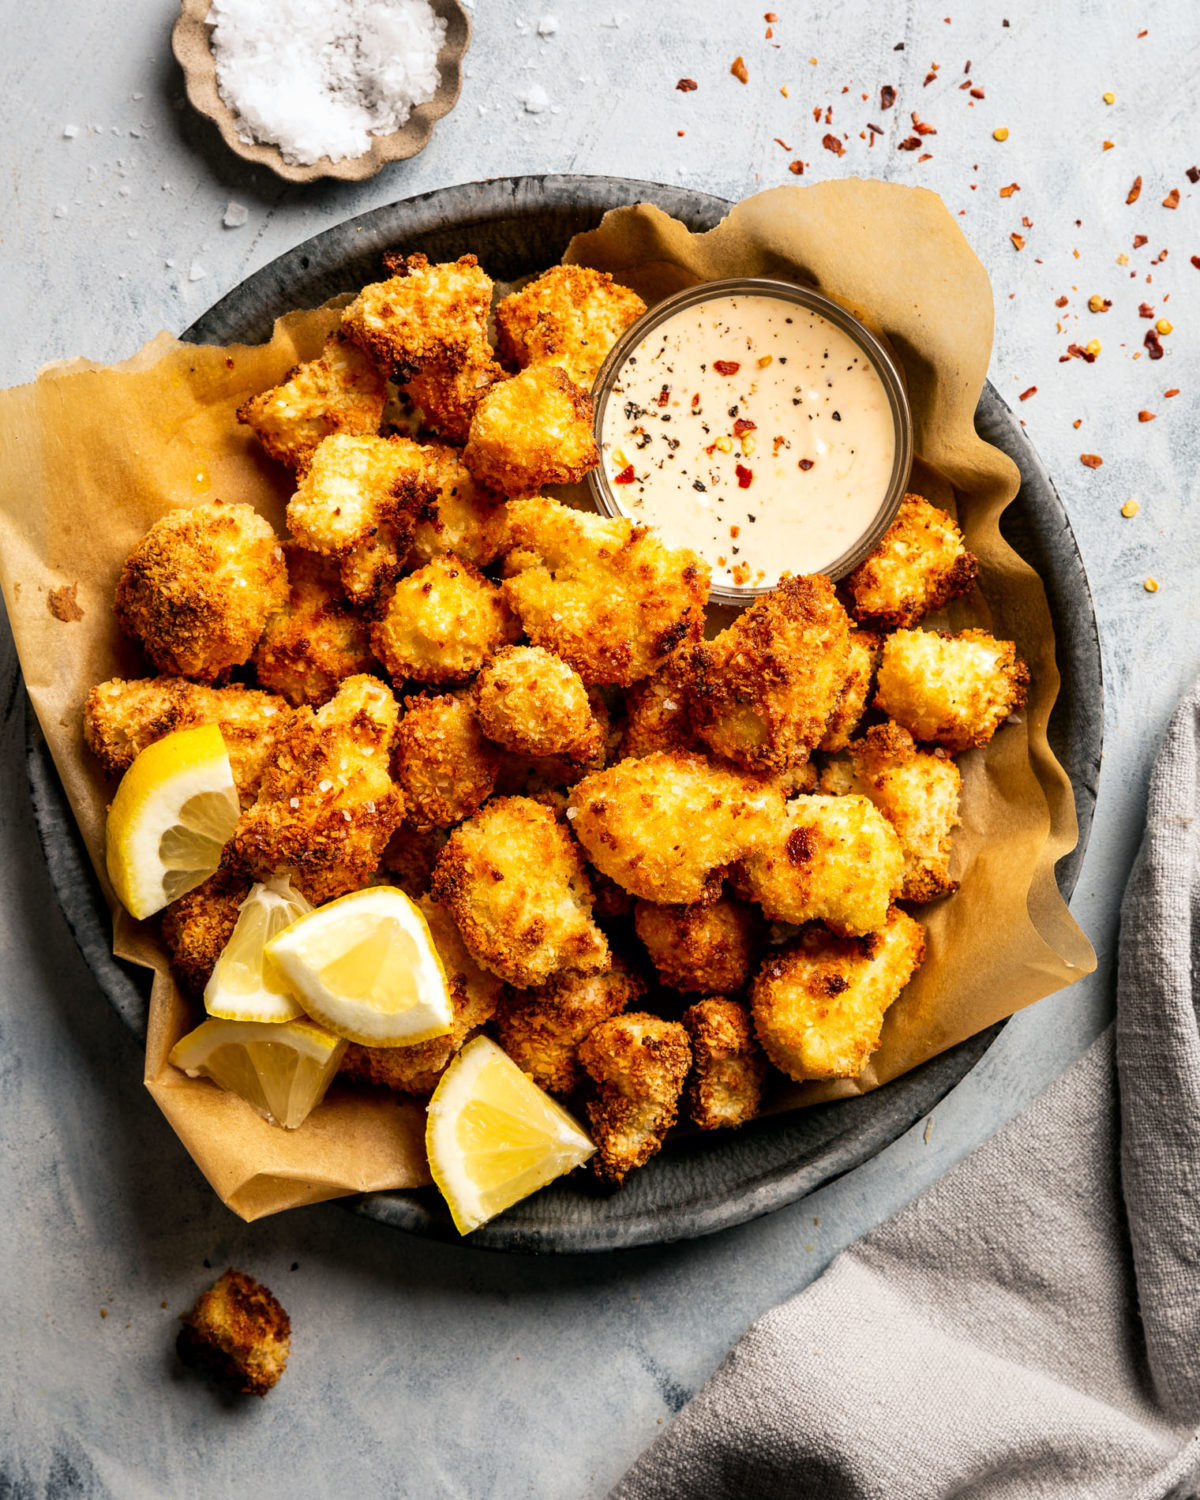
<point x="726" y="366"/>
<point x="1013" y="187"/>
<point x="742" y="424"/>
<point x="929" y="78"/>
<point x="829" y="115"/>
<point x="921" y="127"/>
<point x="1090" y="460"/>
<point x="1110" y="98"/>
<point x="1196" y="261"/>
<point x="1146" y="416"/>
<point x="1060" y="302"/>
<point x="1078" y="422"/>
<point x="887" y="96"/>
<point x="1164" y="327"/>
<point x="744" y="476"/>
<point x="1151" y="585"/>
<point x="806" y="464"/>
<point x="1026" y="221"/>
<point x="1172" y="199"/>
<point x="664" y="395"/>
<point x="770" y="18"/>
<point x="1135" y="192"/>
<point x="965" y="85"/>
<point x="967" y="68"/>
<point x="911" y="143"/>
<point x="899" y="47"/>
<point x="1193" y="174"/>
<point x="1018" y="240"/>
<point x="877" y="129"/>
<point x="738" y="69"/>
<point x="1155" y="349"/>
<point x="1025" y="395"/>
<point x="797" y="167"/>
<point x="925" y="156"/>
<point x="831" y="143"/>
<point x="1130" y="509"/>
<point x="1174" y="391"/>
<point x="1075" y="352"/>
<point x="1141" y="34"/>
<point x="1145" y="310"/>
<point x="1138" y="241"/>
<point x="687" y="85"/>
<point x="977" y="93"/>
<point x="1000" y="133"/>
<point x="679" y="132"/>
<point x="626" y="476"/>
<point x="1098" y="304"/>
<point x="778" y="142"/>
<point x="695" y="400"/>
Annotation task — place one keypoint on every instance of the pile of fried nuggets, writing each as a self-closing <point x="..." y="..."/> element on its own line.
<point x="506" y="706"/>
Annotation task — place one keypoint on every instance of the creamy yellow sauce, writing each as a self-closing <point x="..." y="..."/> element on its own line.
<point x="753" y="431"/>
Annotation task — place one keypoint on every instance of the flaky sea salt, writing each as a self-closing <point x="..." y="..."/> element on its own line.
<point x="320" y="77"/>
<point x="535" y="99"/>
<point x="235" y="216"/>
<point x="547" y="26"/>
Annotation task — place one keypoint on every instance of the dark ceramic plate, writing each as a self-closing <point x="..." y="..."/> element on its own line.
<point x="518" y="225"/>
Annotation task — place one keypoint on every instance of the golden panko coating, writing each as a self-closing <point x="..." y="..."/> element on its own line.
<point x="530" y="430"/>
<point x="198" y="924"/>
<point x="445" y="766"/>
<point x="725" y="1085"/>
<point x="667" y="826"/>
<point x="465" y="519"/>
<point x="410" y="857"/>
<point x="513" y="879"/>
<point x="198" y="588"/>
<point x="473" y="996"/>
<point x="701" y="949"/>
<point x="865" y="647"/>
<point x="600" y="592"/>
<point x="359" y="502"/>
<point x="638" y="1063"/>
<point x="442" y="623"/>
<point x="316" y="640"/>
<point x="530" y="701"/>
<point x="831" y="859"/>
<point x="327" y="805"/>
<point x="656" y="717"/>
<point x="953" y="690"/>
<point x="422" y="312"/>
<point x="762" y="692"/>
<point x="921" y="564"/>
<point x="237" y="1334"/>
<point x="446" y="389"/>
<point x="541" y="1029"/>
<point x="917" y="791"/>
<point x="569" y="316"/>
<point x="819" y="1003"/>
<point x="121" y="717"/>
<point x="342" y="391"/>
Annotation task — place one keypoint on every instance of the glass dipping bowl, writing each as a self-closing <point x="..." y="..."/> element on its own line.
<point x="757" y="286"/>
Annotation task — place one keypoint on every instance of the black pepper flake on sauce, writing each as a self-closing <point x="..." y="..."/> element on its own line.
<point x="837" y="416"/>
<point x="806" y="463"/>
<point x="698" y="484"/>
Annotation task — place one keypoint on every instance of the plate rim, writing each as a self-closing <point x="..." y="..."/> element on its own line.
<point x="125" y="986"/>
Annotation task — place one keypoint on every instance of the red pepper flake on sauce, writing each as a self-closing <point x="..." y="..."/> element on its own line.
<point x="1135" y="192"/>
<point x="1090" y="460"/>
<point x="742" y="425"/>
<point x="664" y="395"/>
<point x="744" y="476"/>
<point x="725" y="367"/>
<point x="696" y="401"/>
<point x="887" y="96"/>
<point x="1156" y="350"/>
<point x="626" y="476"/>
<point x="738" y="69"/>
<point x="687" y="85"/>
<point x="831" y="143"/>
<point x="1172" y="199"/>
<point x="1025" y="395"/>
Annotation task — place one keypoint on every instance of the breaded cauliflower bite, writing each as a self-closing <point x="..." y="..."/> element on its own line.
<point x="656" y="717"/>
<point x="342" y="391"/>
<point x="464" y="519"/>
<point x="442" y="623"/>
<point x="446" y="390"/>
<point x="198" y="924"/>
<point x="422" y="312"/>
<point x="199" y="587"/>
<point x="237" y="1334"/>
<point x="701" y="949"/>
<point x="921" y="564"/>
<point x="541" y="1029"/>
<point x="445" y="766"/>
<point x="359" y="502"/>
<point x="530" y="430"/>
<point x="831" y="859"/>
<point x="725" y="1085"/>
<point x="762" y="692"/>
<point x="532" y="702"/>
<point x="951" y="690"/>
<point x="666" y="827"/>
<point x="865" y="647"/>
<point x="819" y="1003"/>
<point x="473" y="995"/>
<point x="600" y="592"/>
<point x="514" y="882"/>
<point x="121" y="717"/>
<point x="638" y="1063"/>
<point x="316" y="640"/>
<point x="917" y="791"/>
<point x="569" y="316"/>
<point x="327" y="805"/>
<point x="410" y="857"/>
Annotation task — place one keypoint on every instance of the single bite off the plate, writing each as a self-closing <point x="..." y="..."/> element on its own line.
<point x="950" y="690"/>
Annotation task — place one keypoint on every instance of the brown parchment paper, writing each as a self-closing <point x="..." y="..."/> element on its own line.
<point x="90" y="456"/>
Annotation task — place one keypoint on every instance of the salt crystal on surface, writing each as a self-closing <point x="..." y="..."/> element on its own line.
<point x="318" y="78"/>
<point x="547" y="26"/>
<point x="536" y="100"/>
<point x="235" y="216"/>
<point x="70" y="131"/>
<point x="61" y="211"/>
<point x="197" y="273"/>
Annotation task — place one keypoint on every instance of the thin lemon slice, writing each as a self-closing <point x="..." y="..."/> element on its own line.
<point x="280" y="1070"/>
<point x="366" y="966"/>
<point x="493" y="1137"/>
<point x="245" y="986"/>
<point x="174" y="811"/>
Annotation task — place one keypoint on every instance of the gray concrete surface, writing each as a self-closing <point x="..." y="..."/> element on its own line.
<point x="427" y="1370"/>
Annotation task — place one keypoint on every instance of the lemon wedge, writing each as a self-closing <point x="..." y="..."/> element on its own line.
<point x="280" y="1069"/>
<point x="174" y="811"/>
<point x="366" y="966"/>
<point x="245" y="986"/>
<point x="493" y="1137"/>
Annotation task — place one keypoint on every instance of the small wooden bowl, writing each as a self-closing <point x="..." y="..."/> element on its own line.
<point x="190" y="43"/>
